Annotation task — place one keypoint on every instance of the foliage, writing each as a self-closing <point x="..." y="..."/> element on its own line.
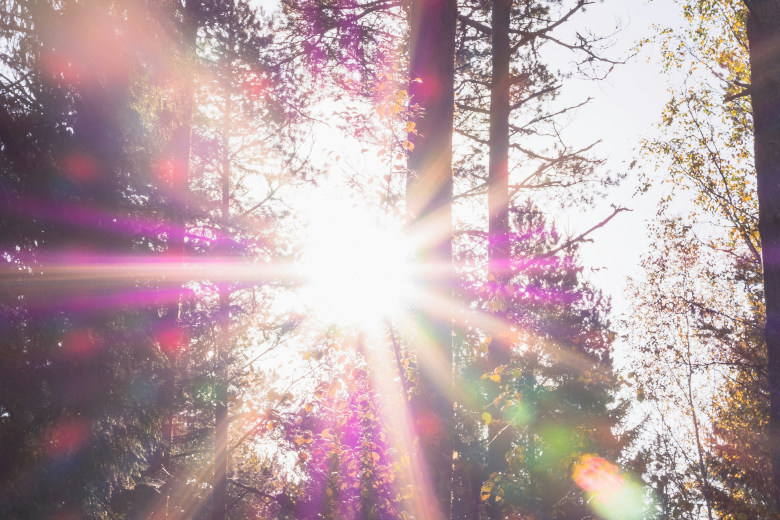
<point x="557" y="392"/>
<point x="701" y="359"/>
<point x="86" y="184"/>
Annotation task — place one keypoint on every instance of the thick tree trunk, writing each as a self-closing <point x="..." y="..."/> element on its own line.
<point x="763" y="28"/>
<point x="429" y="209"/>
<point x="499" y="251"/>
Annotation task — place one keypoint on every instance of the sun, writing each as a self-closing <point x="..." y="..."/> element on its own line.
<point x="356" y="265"/>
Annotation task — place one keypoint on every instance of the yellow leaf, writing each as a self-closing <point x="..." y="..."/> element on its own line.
<point x="487" y="417"/>
<point x="495" y="377"/>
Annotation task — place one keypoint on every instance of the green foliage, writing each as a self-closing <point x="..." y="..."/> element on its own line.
<point x="557" y="394"/>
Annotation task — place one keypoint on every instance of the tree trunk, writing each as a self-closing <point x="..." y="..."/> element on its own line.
<point x="177" y="158"/>
<point x="221" y="422"/>
<point x="429" y="209"/>
<point x="499" y="250"/>
<point x="763" y="28"/>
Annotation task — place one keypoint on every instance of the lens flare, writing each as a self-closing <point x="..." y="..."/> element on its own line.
<point x="66" y="437"/>
<point x="612" y="495"/>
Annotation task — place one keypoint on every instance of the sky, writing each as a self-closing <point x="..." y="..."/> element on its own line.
<point x="626" y="108"/>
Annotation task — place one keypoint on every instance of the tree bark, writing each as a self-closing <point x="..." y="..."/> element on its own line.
<point x="763" y="29"/>
<point x="499" y="250"/>
<point x="176" y="158"/>
<point x="429" y="210"/>
<point x="221" y="422"/>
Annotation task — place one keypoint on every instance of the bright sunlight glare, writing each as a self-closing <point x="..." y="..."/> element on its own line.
<point x="356" y="265"/>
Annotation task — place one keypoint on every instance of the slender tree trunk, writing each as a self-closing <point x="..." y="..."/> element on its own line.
<point x="178" y="186"/>
<point x="499" y="251"/>
<point x="177" y="158"/>
<point x="221" y="422"/>
<point x="763" y="29"/>
<point x="219" y="498"/>
<point x="468" y="468"/>
<point x="703" y="473"/>
<point x="429" y="209"/>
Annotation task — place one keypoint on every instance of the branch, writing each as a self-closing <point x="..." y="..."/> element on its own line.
<point x="281" y="499"/>
<point x="582" y="46"/>
<point x="471" y="108"/>
<point x="188" y="453"/>
<point x="252" y="489"/>
<point x="551" y="162"/>
<point x="527" y="37"/>
<point x="583" y="237"/>
<point x="537" y="94"/>
<point x="465" y="20"/>
<point x="742" y="93"/>
<point x="472" y="137"/>
<point x="524" y="128"/>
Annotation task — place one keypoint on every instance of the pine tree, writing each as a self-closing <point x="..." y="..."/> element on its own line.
<point x="556" y="390"/>
<point x="87" y="369"/>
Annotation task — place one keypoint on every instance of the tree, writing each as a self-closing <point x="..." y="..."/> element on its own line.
<point x="351" y="470"/>
<point x="706" y="155"/>
<point x="429" y="209"/>
<point x="499" y="246"/>
<point x="160" y="155"/>
<point x="543" y="163"/>
<point x="238" y="165"/>
<point x="76" y="348"/>
<point x="674" y="356"/>
<point x="556" y="391"/>
<point x="174" y="172"/>
<point x="241" y="60"/>
<point x="763" y="34"/>
<point x="520" y="84"/>
<point x="105" y="182"/>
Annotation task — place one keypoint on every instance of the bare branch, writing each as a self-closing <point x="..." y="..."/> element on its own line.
<point x="583" y="237"/>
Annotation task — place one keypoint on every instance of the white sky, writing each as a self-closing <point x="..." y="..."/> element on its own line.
<point x="626" y="108"/>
